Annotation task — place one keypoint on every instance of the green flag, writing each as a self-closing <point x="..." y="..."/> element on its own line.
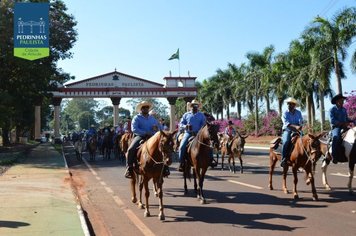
<point x="175" y="55"/>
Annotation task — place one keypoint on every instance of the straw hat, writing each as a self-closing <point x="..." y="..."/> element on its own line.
<point x="142" y="104"/>
<point x="337" y="97"/>
<point x="292" y="100"/>
<point x="195" y="102"/>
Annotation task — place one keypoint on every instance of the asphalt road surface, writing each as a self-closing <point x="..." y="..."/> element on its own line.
<point x="237" y="204"/>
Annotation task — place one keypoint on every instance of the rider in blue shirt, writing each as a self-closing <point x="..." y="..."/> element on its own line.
<point x="143" y="127"/>
<point x="191" y="122"/>
<point x="339" y="120"/>
<point x="292" y="122"/>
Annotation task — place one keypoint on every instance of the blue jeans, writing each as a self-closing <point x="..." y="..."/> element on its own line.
<point x="286" y="139"/>
<point x="132" y="150"/>
<point x="183" y="146"/>
<point x="335" y="133"/>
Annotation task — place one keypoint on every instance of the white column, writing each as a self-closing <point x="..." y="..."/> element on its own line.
<point x="172" y="115"/>
<point x="116" y="115"/>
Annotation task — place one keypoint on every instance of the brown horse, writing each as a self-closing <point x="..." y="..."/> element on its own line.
<point x="125" y="141"/>
<point x="152" y="155"/>
<point x="117" y="148"/>
<point x="305" y="152"/>
<point x="92" y="147"/>
<point x="198" y="157"/>
<point x="236" y="147"/>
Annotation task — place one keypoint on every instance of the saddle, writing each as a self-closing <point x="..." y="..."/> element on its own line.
<point x="276" y="144"/>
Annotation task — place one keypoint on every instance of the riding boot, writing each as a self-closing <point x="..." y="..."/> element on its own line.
<point x="129" y="172"/>
<point x="181" y="167"/>
<point x="166" y="171"/>
<point x="334" y="160"/>
<point x="212" y="163"/>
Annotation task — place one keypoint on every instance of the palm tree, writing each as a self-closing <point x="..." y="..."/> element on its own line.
<point x="280" y="73"/>
<point x="336" y="35"/>
<point x="320" y="70"/>
<point x="238" y="86"/>
<point x="224" y="80"/>
<point x="301" y="85"/>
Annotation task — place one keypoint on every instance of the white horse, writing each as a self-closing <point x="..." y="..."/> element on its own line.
<point x="78" y="147"/>
<point x="350" y="152"/>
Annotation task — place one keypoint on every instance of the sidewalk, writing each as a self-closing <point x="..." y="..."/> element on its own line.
<point x="36" y="197"/>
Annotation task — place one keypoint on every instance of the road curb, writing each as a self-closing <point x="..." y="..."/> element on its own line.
<point x="79" y="207"/>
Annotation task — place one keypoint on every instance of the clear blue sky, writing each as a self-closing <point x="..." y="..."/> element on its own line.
<point x="138" y="36"/>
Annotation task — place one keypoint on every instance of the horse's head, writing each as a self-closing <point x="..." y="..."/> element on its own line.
<point x="312" y="145"/>
<point x="213" y="130"/>
<point x="166" y="144"/>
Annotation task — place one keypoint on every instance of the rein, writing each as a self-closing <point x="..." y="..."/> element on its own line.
<point x="210" y="146"/>
<point x="305" y="151"/>
<point x="151" y="157"/>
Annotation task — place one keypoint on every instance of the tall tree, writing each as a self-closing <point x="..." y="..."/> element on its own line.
<point x="337" y="35"/>
<point x="26" y="83"/>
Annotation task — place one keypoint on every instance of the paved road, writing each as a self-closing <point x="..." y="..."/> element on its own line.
<point x="236" y="203"/>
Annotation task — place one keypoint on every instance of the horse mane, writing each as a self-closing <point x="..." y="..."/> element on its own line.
<point x="201" y="133"/>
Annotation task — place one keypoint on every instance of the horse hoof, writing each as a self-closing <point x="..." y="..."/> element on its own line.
<point x="147" y="214"/>
<point x="296" y="197"/>
<point x="307" y="181"/>
<point x="327" y="187"/>
<point x="285" y="191"/>
<point x="133" y="200"/>
<point x="140" y="206"/>
<point x="202" y="201"/>
<point x="161" y="217"/>
<point x="270" y="187"/>
<point x="315" y="198"/>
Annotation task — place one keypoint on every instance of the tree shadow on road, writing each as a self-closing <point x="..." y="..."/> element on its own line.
<point x="215" y="215"/>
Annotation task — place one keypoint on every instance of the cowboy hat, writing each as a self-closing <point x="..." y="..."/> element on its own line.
<point x="152" y="112"/>
<point x="195" y="102"/>
<point x="143" y="104"/>
<point x="337" y="97"/>
<point x="292" y="100"/>
<point x="230" y="122"/>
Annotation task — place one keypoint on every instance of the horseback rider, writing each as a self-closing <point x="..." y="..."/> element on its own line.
<point x="292" y="122"/>
<point x="127" y="125"/>
<point x="106" y="129"/>
<point x="230" y="133"/>
<point x="191" y="122"/>
<point x="143" y="127"/>
<point x="90" y="134"/>
<point x="339" y="121"/>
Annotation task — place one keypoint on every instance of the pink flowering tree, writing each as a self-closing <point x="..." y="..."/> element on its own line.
<point x="350" y="104"/>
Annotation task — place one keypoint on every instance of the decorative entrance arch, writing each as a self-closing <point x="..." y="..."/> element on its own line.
<point x="116" y="85"/>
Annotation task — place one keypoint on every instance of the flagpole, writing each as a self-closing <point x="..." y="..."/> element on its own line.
<point x="179" y="66"/>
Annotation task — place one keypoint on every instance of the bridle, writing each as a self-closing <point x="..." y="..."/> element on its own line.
<point x="216" y="142"/>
